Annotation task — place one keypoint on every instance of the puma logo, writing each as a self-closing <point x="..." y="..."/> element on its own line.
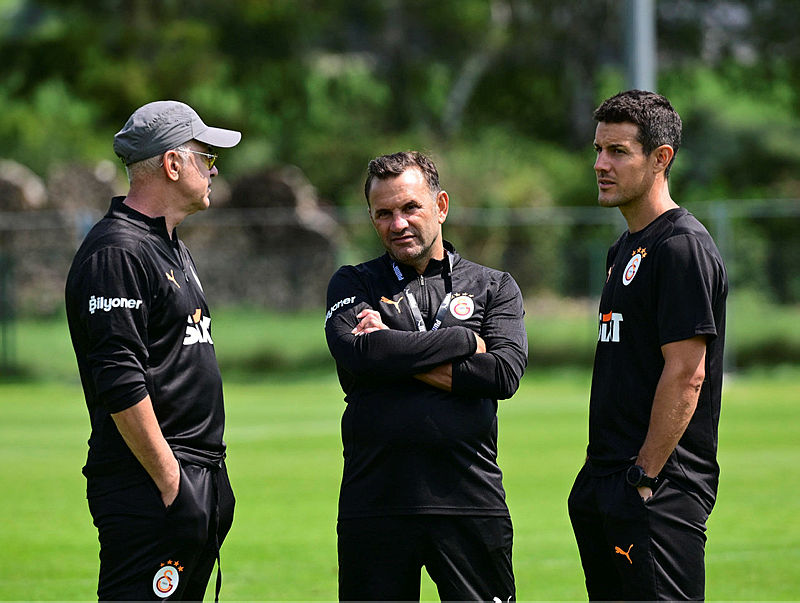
<point x="619" y="551"/>
<point x="396" y="304"/>
<point x="171" y="277"/>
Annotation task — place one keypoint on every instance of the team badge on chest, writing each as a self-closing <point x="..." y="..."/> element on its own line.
<point x="462" y="306"/>
<point x="633" y="266"/>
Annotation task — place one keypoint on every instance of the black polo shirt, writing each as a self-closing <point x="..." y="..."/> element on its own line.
<point x="140" y="325"/>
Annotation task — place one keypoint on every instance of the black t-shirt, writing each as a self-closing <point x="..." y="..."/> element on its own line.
<point x="665" y="283"/>
<point x="140" y="326"/>
<point x="410" y="448"/>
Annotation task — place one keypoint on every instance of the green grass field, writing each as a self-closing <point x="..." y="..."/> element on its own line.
<point x="285" y="464"/>
<point x="284" y="406"/>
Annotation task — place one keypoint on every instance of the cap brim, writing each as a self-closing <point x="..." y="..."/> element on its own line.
<point x="218" y="137"/>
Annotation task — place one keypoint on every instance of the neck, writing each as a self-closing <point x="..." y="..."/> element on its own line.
<point x="148" y="203"/>
<point x="638" y="215"/>
<point x="436" y="252"/>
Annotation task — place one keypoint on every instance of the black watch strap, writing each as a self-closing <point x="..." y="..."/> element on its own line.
<point x="637" y="477"/>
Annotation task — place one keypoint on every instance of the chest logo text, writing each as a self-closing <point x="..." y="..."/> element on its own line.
<point x="609" y="327"/>
<point x="198" y="329"/>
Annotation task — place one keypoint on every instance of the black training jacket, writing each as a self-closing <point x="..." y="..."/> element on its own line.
<point x="140" y="325"/>
<point x="410" y="448"/>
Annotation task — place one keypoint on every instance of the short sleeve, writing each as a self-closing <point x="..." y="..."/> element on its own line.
<point x="687" y="279"/>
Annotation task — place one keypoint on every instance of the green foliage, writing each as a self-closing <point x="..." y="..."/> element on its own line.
<point x="51" y="123"/>
<point x="501" y="93"/>
<point x="739" y="142"/>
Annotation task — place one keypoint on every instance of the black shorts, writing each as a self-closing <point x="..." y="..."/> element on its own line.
<point x="149" y="552"/>
<point x="636" y="550"/>
<point x="467" y="557"/>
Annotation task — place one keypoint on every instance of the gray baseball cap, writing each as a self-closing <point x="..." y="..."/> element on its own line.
<point x="163" y="125"/>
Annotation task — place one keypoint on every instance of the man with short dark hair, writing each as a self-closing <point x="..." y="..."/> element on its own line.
<point x="157" y="484"/>
<point x="640" y="503"/>
<point x="425" y="343"/>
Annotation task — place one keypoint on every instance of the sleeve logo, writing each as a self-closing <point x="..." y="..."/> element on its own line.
<point x="341" y="303"/>
<point x="106" y="304"/>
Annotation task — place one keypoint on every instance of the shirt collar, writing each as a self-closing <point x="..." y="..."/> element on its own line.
<point x="156" y="225"/>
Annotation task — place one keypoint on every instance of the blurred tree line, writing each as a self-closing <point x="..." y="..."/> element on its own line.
<point x="500" y="92"/>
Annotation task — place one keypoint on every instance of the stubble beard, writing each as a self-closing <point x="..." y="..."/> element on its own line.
<point x="416" y="259"/>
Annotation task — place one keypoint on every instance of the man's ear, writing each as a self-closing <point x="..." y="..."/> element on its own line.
<point x="663" y="155"/>
<point x="172" y="165"/>
<point x="442" y="205"/>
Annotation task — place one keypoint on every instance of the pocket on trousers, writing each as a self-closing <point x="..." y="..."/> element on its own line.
<point x="660" y="488"/>
<point x="175" y="504"/>
<point x="186" y="520"/>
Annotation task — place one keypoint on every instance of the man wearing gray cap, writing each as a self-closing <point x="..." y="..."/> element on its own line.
<point x="157" y="485"/>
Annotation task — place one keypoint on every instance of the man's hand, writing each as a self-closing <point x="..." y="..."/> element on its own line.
<point x="370" y="321"/>
<point x="674" y="402"/>
<point x="169" y="491"/>
<point x="645" y="492"/>
<point x="139" y="428"/>
<point x="441" y="376"/>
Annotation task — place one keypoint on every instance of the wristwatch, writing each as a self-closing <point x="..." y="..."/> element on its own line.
<point x="637" y="478"/>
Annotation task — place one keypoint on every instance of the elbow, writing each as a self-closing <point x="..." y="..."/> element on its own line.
<point x="508" y="377"/>
<point x="695" y="383"/>
<point x="508" y="386"/>
<point x="508" y="391"/>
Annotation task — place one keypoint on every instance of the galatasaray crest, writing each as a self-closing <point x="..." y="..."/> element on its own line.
<point x="165" y="582"/>
<point x="633" y="266"/>
<point x="462" y="306"/>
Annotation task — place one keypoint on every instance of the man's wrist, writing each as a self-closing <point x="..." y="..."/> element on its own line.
<point x="637" y="477"/>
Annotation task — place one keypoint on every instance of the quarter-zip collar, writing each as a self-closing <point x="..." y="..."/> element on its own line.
<point x="156" y="225"/>
<point x="404" y="272"/>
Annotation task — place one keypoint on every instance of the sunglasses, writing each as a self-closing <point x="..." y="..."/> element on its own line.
<point x="210" y="158"/>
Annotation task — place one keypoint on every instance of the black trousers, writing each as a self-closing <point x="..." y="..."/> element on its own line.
<point x="150" y="552"/>
<point x="467" y="557"/>
<point x="636" y="550"/>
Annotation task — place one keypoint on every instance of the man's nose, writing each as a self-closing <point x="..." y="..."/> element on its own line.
<point x="399" y="222"/>
<point x="601" y="163"/>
